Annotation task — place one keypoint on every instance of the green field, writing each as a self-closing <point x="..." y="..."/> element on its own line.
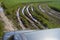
<point x="55" y="4"/>
<point x="12" y="5"/>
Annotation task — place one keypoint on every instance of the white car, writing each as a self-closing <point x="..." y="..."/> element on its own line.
<point x="49" y="34"/>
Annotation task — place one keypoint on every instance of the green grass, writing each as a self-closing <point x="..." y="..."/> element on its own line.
<point x="55" y="4"/>
<point x="1" y="28"/>
<point x="11" y="3"/>
<point x="1" y="0"/>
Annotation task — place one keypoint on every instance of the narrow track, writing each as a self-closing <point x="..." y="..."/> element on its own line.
<point x="47" y="12"/>
<point x="50" y="13"/>
<point x="18" y="17"/>
<point x="53" y="11"/>
<point x="28" y="18"/>
<point x="34" y="18"/>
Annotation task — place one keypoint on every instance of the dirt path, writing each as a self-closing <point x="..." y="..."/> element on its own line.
<point x="7" y="23"/>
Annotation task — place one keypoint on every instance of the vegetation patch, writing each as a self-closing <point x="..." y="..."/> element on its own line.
<point x="1" y="28"/>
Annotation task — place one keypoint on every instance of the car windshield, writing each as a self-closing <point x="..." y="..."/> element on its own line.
<point x="41" y="35"/>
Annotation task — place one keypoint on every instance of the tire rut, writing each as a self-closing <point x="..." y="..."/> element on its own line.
<point x="28" y="18"/>
<point x="18" y="17"/>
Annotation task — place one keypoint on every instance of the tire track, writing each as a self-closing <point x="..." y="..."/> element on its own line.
<point x="41" y="9"/>
<point x="50" y="13"/>
<point x="28" y="18"/>
<point x="18" y="17"/>
<point x="53" y="11"/>
<point x="32" y="16"/>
